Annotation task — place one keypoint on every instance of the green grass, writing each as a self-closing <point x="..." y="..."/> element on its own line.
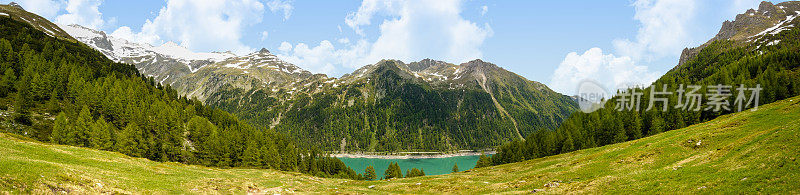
<point x="746" y="152"/>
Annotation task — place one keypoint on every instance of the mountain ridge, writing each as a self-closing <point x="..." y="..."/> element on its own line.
<point x="268" y="91"/>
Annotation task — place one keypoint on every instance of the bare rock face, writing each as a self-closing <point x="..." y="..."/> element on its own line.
<point x="767" y="8"/>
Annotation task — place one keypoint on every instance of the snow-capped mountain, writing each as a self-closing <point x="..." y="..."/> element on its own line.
<point x="165" y="63"/>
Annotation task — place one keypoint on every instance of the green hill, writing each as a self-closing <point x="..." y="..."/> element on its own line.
<point x="745" y="152"/>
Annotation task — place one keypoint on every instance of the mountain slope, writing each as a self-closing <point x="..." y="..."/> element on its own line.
<point x="746" y="152"/>
<point x="762" y="57"/>
<point x="768" y="19"/>
<point x="394" y="106"/>
<point x="16" y="12"/>
<point x="166" y="63"/>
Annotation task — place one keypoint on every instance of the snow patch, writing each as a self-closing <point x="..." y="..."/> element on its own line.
<point x="775" y="42"/>
<point x="777" y="27"/>
<point x="165" y="78"/>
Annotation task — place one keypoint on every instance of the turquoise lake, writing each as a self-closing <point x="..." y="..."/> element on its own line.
<point x="432" y="166"/>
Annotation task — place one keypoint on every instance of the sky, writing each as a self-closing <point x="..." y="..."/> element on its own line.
<point x="616" y="43"/>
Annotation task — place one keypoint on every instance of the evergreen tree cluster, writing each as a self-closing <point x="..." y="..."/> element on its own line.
<point x="67" y="93"/>
<point x="393" y="171"/>
<point x="414" y="172"/>
<point x="776" y="68"/>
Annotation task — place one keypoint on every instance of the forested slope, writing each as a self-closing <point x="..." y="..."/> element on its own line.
<point x="61" y="91"/>
<point x="395" y="106"/>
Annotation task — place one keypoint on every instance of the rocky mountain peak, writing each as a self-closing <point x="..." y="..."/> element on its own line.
<point x="12" y="4"/>
<point x="263" y="51"/>
<point x="766" y="7"/>
<point x="424" y="64"/>
<point x="479" y="64"/>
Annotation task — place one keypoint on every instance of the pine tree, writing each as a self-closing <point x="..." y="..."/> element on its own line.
<point x="414" y="172"/>
<point x="271" y="157"/>
<point x="100" y="135"/>
<point x="127" y="142"/>
<point x="369" y="173"/>
<point x="7" y="82"/>
<point x="483" y="161"/>
<point x="52" y="104"/>
<point x="252" y="156"/>
<point x="455" y="168"/>
<point x="393" y="171"/>
<point x="81" y="130"/>
<point x="61" y="130"/>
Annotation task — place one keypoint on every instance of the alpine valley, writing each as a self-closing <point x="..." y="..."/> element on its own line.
<point x="388" y="106"/>
<point x="87" y="113"/>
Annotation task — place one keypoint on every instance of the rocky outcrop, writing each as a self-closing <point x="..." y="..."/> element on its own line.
<point x="12" y="4"/>
<point x="748" y="24"/>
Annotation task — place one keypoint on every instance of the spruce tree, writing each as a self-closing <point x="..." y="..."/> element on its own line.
<point x="393" y="171"/>
<point x="81" y="128"/>
<point x="369" y="173"/>
<point x="483" y="161"/>
<point x="127" y="142"/>
<point x="100" y="135"/>
<point x="455" y="168"/>
<point x="252" y="155"/>
<point x="7" y="82"/>
<point x="61" y="130"/>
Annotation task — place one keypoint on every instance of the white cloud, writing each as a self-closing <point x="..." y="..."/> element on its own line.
<point x="484" y="10"/>
<point x="281" y="6"/>
<point x="608" y="70"/>
<point x="285" y="47"/>
<point x="664" y="29"/>
<point x="411" y="30"/>
<point x="84" y="13"/>
<point x="264" y="35"/>
<point x="200" y="25"/>
<point x="323" y="58"/>
<point x="45" y="8"/>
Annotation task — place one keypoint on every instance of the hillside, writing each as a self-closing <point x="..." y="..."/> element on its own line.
<point x="16" y="12"/>
<point x="746" y="152"/>
<point x="754" y="56"/>
<point x="60" y="91"/>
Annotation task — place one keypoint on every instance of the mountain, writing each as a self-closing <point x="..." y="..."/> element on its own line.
<point x="165" y="63"/>
<point x="387" y="106"/>
<point x="752" y="25"/>
<point x="16" y="12"/>
<point x="749" y="152"/>
<point x="391" y="105"/>
<point x="759" y="50"/>
<point x="257" y="70"/>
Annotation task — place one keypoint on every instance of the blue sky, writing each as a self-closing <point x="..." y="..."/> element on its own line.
<point x="559" y="43"/>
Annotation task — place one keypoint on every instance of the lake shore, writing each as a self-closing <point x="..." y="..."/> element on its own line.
<point x="409" y="155"/>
